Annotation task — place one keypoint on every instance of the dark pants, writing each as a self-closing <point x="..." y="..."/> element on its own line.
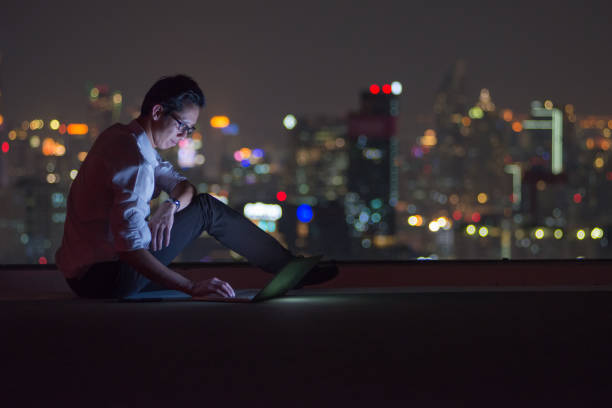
<point x="205" y="213"/>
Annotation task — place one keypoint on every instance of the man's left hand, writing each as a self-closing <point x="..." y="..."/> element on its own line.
<point x="160" y="225"/>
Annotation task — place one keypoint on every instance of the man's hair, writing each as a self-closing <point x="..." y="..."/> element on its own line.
<point x="172" y="93"/>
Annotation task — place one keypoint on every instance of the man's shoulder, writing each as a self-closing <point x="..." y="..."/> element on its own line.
<point x="117" y="144"/>
<point x="118" y="130"/>
<point x="118" y="136"/>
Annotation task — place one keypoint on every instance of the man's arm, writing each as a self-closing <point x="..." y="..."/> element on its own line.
<point x="162" y="220"/>
<point x="145" y="263"/>
<point x="184" y="192"/>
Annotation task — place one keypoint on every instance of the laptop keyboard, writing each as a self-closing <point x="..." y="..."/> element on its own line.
<point x="246" y="293"/>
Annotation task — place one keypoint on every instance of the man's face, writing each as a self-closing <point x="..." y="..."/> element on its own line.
<point x="170" y="127"/>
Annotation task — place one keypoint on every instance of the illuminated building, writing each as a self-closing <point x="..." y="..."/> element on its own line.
<point x="472" y="174"/>
<point x="450" y="101"/>
<point x="455" y="171"/>
<point x="316" y="176"/>
<point x="4" y="177"/>
<point x="104" y="108"/>
<point x="543" y="133"/>
<point x="594" y="163"/>
<point x="318" y="172"/>
<point x="41" y="162"/>
<point x="372" y="174"/>
<point x="39" y="167"/>
<point x="250" y="174"/>
<point x="593" y="181"/>
<point x="544" y="159"/>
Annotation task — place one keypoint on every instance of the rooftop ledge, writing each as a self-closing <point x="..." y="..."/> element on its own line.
<point x="18" y="281"/>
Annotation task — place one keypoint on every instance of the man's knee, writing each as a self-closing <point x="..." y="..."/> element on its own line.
<point x="208" y="201"/>
<point x="204" y="198"/>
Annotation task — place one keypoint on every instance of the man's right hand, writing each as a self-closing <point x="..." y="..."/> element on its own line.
<point x="212" y="286"/>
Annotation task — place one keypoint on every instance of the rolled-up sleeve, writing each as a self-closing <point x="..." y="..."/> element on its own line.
<point x="166" y="177"/>
<point x="132" y="191"/>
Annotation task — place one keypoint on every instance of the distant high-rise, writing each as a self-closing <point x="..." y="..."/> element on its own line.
<point x="104" y="108"/>
<point x="317" y="173"/>
<point x="4" y="180"/>
<point x="317" y="177"/>
<point x="451" y="100"/>
<point x="1" y="89"/>
<point x="372" y="173"/>
<point x="468" y="180"/>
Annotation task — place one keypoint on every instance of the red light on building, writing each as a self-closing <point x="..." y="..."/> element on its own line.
<point x="281" y="196"/>
<point x="609" y="176"/>
<point x="374" y="89"/>
<point x="5" y="147"/>
<point x="386" y="89"/>
<point x="475" y="217"/>
<point x="457" y="215"/>
<point x="577" y="198"/>
<point x="42" y="260"/>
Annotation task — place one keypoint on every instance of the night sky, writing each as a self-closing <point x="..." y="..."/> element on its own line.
<point x="257" y="61"/>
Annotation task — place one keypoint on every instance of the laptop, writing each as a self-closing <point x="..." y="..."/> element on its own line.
<point x="281" y="283"/>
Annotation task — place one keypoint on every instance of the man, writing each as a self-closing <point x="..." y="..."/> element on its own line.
<point x="110" y="250"/>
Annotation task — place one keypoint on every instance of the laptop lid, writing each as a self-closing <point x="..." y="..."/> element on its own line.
<point x="287" y="278"/>
<point x="281" y="283"/>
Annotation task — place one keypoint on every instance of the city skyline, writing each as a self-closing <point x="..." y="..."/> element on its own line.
<point x="256" y="64"/>
<point x="478" y="151"/>
<point x="458" y="188"/>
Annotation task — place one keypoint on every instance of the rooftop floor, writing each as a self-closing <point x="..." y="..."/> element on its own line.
<point x="434" y="334"/>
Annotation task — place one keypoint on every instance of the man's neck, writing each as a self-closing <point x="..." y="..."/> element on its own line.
<point x="146" y="125"/>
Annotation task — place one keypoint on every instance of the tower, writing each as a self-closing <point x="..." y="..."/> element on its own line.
<point x="451" y="101"/>
<point x="316" y="181"/>
<point x="372" y="172"/>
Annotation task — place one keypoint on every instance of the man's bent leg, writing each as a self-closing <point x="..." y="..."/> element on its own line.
<point x="239" y="234"/>
<point x="230" y="228"/>
<point x="118" y="279"/>
<point x="188" y="225"/>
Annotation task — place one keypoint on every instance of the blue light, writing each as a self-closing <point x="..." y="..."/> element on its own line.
<point x="231" y="129"/>
<point x="257" y="153"/>
<point x="363" y="217"/>
<point x="304" y="213"/>
<point x="245" y="163"/>
<point x="57" y="199"/>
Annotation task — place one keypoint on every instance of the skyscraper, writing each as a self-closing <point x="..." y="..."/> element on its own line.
<point x="3" y="166"/>
<point x="372" y="173"/>
<point x="451" y="100"/>
<point x="316" y="179"/>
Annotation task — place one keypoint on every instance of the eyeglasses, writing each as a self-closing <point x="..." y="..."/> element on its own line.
<point x="182" y="127"/>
